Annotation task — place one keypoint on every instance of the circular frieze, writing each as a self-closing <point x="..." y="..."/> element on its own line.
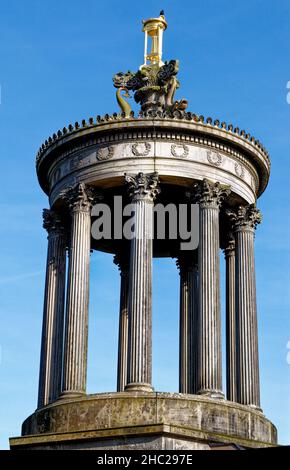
<point x="76" y="163"/>
<point x="56" y="176"/>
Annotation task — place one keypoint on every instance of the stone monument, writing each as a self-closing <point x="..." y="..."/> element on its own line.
<point x="165" y="154"/>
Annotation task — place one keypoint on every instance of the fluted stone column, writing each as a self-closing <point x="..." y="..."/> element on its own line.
<point x="231" y="343"/>
<point x="188" y="270"/>
<point x="80" y="200"/>
<point x="142" y="190"/>
<point x="122" y="261"/>
<point x="209" y="195"/>
<point x="244" y="221"/>
<point x="53" y="311"/>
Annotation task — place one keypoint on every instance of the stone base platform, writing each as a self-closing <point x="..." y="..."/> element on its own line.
<point x="144" y="421"/>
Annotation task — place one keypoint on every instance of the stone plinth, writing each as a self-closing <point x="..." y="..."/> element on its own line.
<point x="144" y="420"/>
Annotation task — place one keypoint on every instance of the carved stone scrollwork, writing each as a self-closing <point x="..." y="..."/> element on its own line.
<point x="180" y="151"/>
<point x="239" y="170"/>
<point x="245" y="217"/>
<point x="210" y="193"/>
<point x="154" y="87"/>
<point x="214" y="158"/>
<point x="105" y="153"/>
<point x="142" y="186"/>
<point x="141" y="149"/>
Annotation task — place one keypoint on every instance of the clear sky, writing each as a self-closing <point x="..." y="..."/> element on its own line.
<point x="57" y="60"/>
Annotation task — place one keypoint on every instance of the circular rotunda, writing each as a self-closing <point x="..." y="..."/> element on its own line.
<point x="165" y="156"/>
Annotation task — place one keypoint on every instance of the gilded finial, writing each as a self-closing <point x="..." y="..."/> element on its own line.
<point x="155" y="83"/>
<point x="153" y="29"/>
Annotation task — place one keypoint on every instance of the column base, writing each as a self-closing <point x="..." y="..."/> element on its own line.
<point x="255" y="407"/>
<point x="71" y="394"/>
<point x="138" y="387"/>
<point x="216" y="394"/>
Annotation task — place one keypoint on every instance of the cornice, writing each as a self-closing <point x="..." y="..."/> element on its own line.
<point x="178" y="126"/>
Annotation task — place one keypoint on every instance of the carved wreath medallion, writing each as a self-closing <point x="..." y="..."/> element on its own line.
<point x="214" y="158"/>
<point x="141" y="149"/>
<point x="180" y="151"/>
<point x="239" y="169"/>
<point x="105" y="153"/>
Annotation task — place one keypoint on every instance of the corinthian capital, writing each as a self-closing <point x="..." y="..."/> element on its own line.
<point x="209" y="193"/>
<point x="245" y="217"/>
<point x="142" y="186"/>
<point x="52" y="221"/>
<point x="80" y="198"/>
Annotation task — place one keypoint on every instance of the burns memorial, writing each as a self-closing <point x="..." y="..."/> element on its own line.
<point x="165" y="154"/>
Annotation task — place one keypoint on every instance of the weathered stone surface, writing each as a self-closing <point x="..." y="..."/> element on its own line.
<point x="198" y="418"/>
<point x="155" y="437"/>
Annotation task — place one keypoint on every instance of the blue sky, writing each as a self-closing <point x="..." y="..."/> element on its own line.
<point x="57" y="60"/>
